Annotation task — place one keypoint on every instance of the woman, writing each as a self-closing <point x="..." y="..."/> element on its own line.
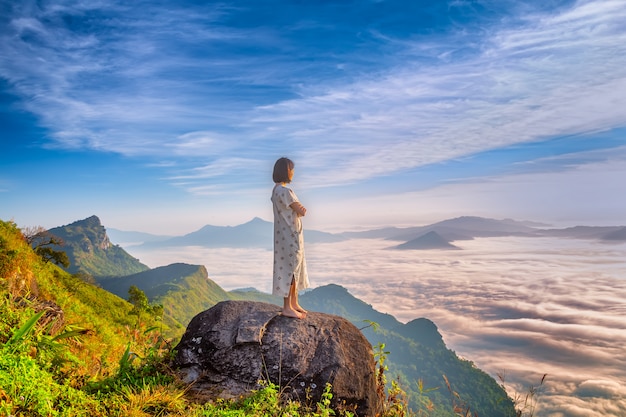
<point x="290" y="274"/>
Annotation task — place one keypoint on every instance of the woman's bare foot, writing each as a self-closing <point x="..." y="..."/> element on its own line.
<point x="300" y="309"/>
<point x="289" y="312"/>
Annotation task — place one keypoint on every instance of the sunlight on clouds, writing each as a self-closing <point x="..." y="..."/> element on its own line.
<point x="568" y="406"/>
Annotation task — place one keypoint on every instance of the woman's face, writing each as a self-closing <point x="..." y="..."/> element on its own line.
<point x="290" y="173"/>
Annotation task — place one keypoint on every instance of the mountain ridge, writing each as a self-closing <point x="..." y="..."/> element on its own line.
<point x="90" y="250"/>
<point x="175" y="287"/>
<point x="254" y="233"/>
<point x="257" y="233"/>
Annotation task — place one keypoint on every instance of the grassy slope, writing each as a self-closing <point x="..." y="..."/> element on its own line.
<point x="104" y="315"/>
<point x="43" y="373"/>
<point x="183" y="290"/>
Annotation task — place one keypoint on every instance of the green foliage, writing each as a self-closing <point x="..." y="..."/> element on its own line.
<point x="46" y="360"/>
<point x="136" y="371"/>
<point x="393" y="398"/>
<point x="267" y="402"/>
<point x="16" y="257"/>
<point x="30" y="383"/>
<point x="56" y="256"/>
<point x="29" y="389"/>
<point x="141" y="305"/>
<point x="18" y="337"/>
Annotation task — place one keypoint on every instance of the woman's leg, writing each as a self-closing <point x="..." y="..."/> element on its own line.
<point x="296" y="304"/>
<point x="293" y="293"/>
<point x="289" y="309"/>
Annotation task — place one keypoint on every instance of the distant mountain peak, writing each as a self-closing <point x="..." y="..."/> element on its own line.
<point x="484" y="223"/>
<point x="91" y="221"/>
<point x="430" y="240"/>
<point x="90" y="250"/>
<point x="257" y="220"/>
<point x="333" y="290"/>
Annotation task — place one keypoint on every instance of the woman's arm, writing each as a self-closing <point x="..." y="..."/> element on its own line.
<point x="298" y="208"/>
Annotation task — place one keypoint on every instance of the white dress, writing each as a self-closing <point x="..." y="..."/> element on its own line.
<point x="289" y="258"/>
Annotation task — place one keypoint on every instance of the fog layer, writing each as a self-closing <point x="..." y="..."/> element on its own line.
<point x="517" y="307"/>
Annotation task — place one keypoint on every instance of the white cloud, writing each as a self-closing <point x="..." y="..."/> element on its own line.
<point x="604" y="388"/>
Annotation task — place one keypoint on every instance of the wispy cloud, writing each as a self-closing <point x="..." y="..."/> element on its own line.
<point x="128" y="85"/>
<point x="147" y="79"/>
<point x="527" y="83"/>
<point x="218" y="168"/>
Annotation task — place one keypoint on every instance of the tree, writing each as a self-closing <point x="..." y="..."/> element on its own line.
<point x="141" y="304"/>
<point x="138" y="299"/>
<point x="43" y="243"/>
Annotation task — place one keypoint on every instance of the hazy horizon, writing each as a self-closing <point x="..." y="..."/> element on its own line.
<point x="513" y="305"/>
<point x="360" y="227"/>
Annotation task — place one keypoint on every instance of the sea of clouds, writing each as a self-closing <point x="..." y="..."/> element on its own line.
<point x="518" y="308"/>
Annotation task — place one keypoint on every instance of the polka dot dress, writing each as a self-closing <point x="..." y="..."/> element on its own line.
<point x="289" y="258"/>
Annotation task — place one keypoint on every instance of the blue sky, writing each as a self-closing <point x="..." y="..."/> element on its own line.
<point x="165" y="116"/>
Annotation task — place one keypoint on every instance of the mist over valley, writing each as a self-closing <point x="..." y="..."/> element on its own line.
<point x="520" y="304"/>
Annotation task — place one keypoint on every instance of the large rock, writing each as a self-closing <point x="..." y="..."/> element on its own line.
<point x="228" y="349"/>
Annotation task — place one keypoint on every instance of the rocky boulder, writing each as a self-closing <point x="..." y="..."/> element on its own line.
<point x="229" y="349"/>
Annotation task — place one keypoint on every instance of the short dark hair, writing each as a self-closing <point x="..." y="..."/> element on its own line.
<point x="281" y="170"/>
